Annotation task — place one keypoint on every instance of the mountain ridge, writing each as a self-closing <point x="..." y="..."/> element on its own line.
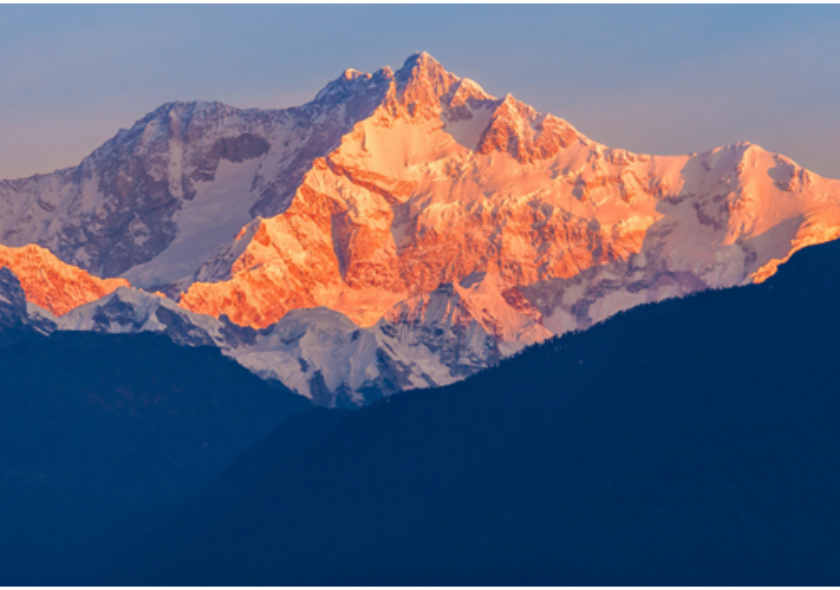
<point x="391" y="186"/>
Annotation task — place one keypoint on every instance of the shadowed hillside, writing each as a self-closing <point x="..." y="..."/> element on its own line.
<point x="689" y="442"/>
<point x="96" y="427"/>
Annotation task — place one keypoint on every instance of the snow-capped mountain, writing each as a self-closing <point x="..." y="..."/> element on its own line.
<point x="404" y="229"/>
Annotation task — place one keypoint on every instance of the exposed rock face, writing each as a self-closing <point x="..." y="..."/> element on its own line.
<point x="428" y="340"/>
<point x="443" y="181"/>
<point x="128" y="310"/>
<point x="52" y="284"/>
<point x="157" y="183"/>
<point x="12" y="301"/>
<point x="16" y="314"/>
<point x="404" y="229"/>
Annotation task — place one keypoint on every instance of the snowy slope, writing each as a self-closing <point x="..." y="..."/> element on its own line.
<point x="129" y="310"/>
<point x="415" y="197"/>
<point x="186" y="176"/>
<point x="429" y="340"/>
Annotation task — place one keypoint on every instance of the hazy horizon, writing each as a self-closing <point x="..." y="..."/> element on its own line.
<point x="652" y="79"/>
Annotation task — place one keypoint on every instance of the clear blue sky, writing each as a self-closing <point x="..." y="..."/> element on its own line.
<point x="655" y="79"/>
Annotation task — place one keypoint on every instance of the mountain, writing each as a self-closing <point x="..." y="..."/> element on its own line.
<point x="392" y="190"/>
<point x="97" y="427"/>
<point x="691" y="442"/>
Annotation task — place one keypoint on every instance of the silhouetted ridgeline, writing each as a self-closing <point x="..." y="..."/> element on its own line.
<point x="97" y="427"/>
<point x="689" y="442"/>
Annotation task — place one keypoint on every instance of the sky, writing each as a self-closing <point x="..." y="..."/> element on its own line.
<point x="659" y="79"/>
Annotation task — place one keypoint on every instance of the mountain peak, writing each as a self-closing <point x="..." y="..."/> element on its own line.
<point x="419" y="58"/>
<point x="351" y="74"/>
<point x="421" y="83"/>
<point x="349" y="83"/>
<point x="421" y="65"/>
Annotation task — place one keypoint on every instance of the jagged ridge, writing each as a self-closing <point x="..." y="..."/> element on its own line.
<point x="393" y="190"/>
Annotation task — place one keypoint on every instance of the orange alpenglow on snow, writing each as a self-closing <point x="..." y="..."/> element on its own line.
<point x="52" y="284"/>
<point x="443" y="180"/>
<point x="388" y="186"/>
<point x="401" y="230"/>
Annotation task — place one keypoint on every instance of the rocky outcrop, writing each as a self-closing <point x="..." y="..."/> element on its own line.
<point x="464" y="183"/>
<point x="13" y="314"/>
<point x="16" y="314"/>
<point x="52" y="284"/>
<point x="127" y="203"/>
<point x="129" y="310"/>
